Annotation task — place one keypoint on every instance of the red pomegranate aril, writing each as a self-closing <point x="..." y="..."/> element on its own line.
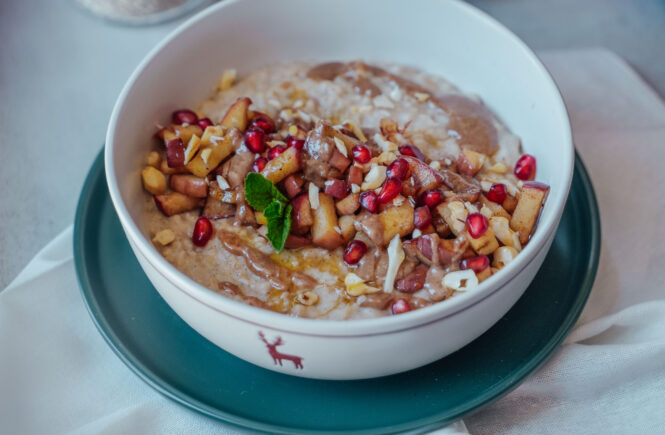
<point x="477" y="224"/>
<point x="361" y="154"/>
<point x="411" y="150"/>
<point x="400" y="306"/>
<point x="295" y="142"/>
<point x="398" y="168"/>
<point x="205" y="123"/>
<point x="391" y="188"/>
<point x="369" y="201"/>
<point x="202" y="232"/>
<point x="184" y="116"/>
<point x="255" y="140"/>
<point x="525" y="168"/>
<point x="432" y="198"/>
<point x="275" y="151"/>
<point x="354" y="252"/>
<point x="263" y="123"/>
<point x="422" y="217"/>
<point x="477" y="264"/>
<point x="497" y="193"/>
<point x="259" y="164"/>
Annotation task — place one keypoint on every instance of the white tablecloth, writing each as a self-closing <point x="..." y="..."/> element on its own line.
<point x="57" y="374"/>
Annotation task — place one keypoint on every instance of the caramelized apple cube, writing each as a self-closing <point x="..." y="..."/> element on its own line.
<point x="175" y="203"/>
<point x="426" y="178"/>
<point x="175" y="153"/>
<point x="336" y="188"/>
<point x="189" y="185"/>
<point x="295" y="242"/>
<point x="210" y="157"/>
<point x="293" y="185"/>
<point x="496" y="209"/>
<point x="528" y="208"/>
<point x="348" y="205"/>
<point x="325" y="230"/>
<point x="485" y="244"/>
<point x="282" y="166"/>
<point x="339" y="161"/>
<point x="504" y="233"/>
<point x="212" y="135"/>
<point x="301" y="217"/>
<point x="453" y="211"/>
<point x="469" y="162"/>
<point x="397" y="220"/>
<point x="237" y="115"/>
<point x="347" y="225"/>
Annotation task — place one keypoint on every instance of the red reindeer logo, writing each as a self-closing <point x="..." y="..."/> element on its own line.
<point x="276" y="355"/>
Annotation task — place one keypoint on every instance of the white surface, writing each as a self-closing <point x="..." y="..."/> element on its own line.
<point x="609" y="377"/>
<point x="511" y="80"/>
<point x="61" y="70"/>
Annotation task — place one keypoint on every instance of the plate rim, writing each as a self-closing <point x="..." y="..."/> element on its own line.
<point x="492" y="394"/>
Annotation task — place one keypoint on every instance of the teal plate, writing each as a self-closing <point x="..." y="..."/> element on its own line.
<point x="179" y="363"/>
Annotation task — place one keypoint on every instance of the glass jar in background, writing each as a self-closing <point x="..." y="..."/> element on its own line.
<point x="141" y="12"/>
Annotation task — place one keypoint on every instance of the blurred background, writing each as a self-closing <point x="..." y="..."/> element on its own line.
<point x="62" y="67"/>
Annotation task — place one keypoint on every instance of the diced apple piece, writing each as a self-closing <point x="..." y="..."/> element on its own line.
<point x="167" y="170"/>
<point x="509" y="204"/>
<point x="237" y="115"/>
<point x="325" y="228"/>
<point x="175" y="202"/>
<point x="175" y="153"/>
<point x="192" y="147"/>
<point x="449" y="250"/>
<point x="212" y="135"/>
<point x="484" y="274"/>
<point x="347" y="225"/>
<point x="282" y="166"/>
<point x="453" y="211"/>
<point x="502" y="231"/>
<point x="189" y="185"/>
<point x="355" y="176"/>
<point x="469" y="162"/>
<point x="293" y="185"/>
<point x="336" y="188"/>
<point x="495" y="208"/>
<point x="426" y="178"/>
<point x="528" y="208"/>
<point x="210" y="157"/>
<point x="302" y="217"/>
<point x="339" y="161"/>
<point x="348" y="205"/>
<point x="153" y="180"/>
<point x="295" y="242"/>
<point x="397" y="220"/>
<point x="485" y="244"/>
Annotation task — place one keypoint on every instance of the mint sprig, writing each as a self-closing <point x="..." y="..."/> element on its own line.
<point x="262" y="195"/>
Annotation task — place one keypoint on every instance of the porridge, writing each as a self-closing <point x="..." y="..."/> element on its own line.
<point x="339" y="190"/>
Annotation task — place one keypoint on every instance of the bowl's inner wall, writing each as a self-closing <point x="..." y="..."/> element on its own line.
<point x="441" y="37"/>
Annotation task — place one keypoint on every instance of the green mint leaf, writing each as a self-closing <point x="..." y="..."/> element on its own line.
<point x="274" y="210"/>
<point x="260" y="192"/>
<point x="279" y="227"/>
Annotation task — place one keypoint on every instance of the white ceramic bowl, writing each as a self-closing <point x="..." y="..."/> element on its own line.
<point x="448" y="38"/>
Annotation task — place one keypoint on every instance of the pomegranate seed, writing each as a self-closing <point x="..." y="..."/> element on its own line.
<point x="354" y="251"/>
<point x="477" y="264"/>
<point x="263" y="123"/>
<point x="477" y="224"/>
<point x="275" y="151"/>
<point x="398" y="168"/>
<point x="361" y="154"/>
<point x="255" y="140"/>
<point x="295" y="142"/>
<point x="391" y="188"/>
<point x="525" y="168"/>
<point x="413" y="151"/>
<point x="400" y="306"/>
<point x="202" y="232"/>
<point x="259" y="164"/>
<point x="422" y="217"/>
<point x="183" y="116"/>
<point x="205" y="123"/>
<point x="431" y="198"/>
<point x="497" y="193"/>
<point x="370" y="201"/>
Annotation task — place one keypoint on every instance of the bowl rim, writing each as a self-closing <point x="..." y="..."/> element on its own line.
<point x="342" y="328"/>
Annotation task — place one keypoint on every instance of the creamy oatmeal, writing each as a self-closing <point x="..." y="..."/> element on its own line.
<point x="339" y="190"/>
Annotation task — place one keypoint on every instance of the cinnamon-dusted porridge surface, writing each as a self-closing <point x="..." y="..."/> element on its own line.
<point x="382" y="107"/>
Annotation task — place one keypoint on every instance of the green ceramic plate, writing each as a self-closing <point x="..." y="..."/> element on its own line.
<point x="170" y="356"/>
